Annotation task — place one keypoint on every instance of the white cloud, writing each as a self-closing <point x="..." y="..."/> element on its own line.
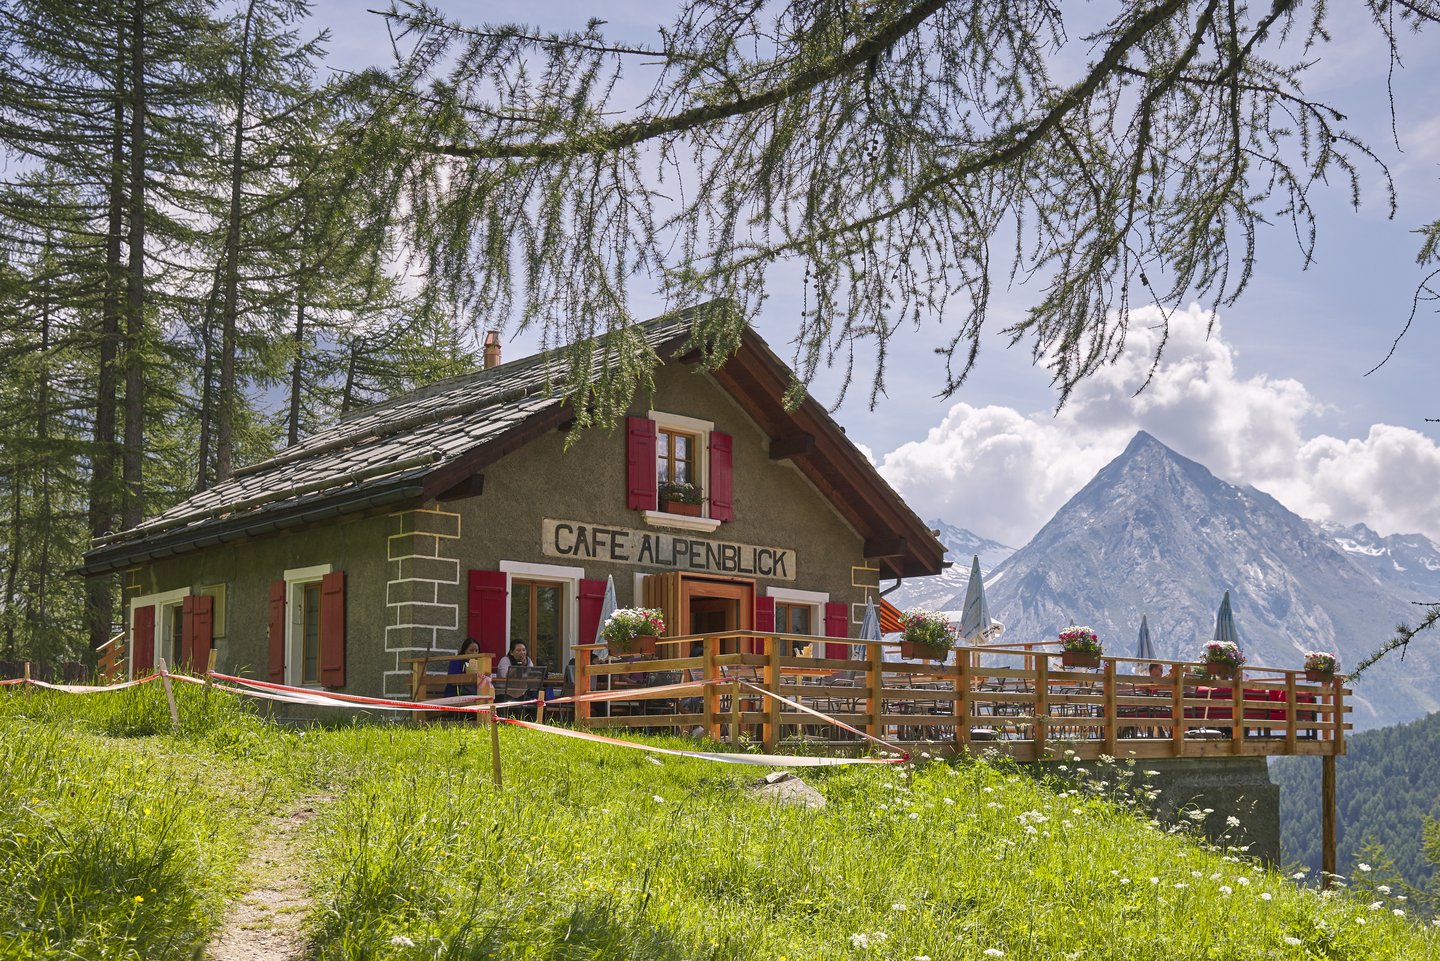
<point x="1003" y="473"/>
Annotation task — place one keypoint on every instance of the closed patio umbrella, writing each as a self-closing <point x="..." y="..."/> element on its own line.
<point x="607" y="607"/>
<point x="1144" y="649"/>
<point x="976" y="624"/>
<point x="869" y="626"/>
<point x="1225" y="623"/>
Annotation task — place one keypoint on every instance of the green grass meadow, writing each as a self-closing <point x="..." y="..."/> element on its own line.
<point x="123" y="838"/>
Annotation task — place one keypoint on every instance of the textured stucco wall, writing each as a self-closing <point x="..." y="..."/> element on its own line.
<point x="355" y="545"/>
<point x="405" y="571"/>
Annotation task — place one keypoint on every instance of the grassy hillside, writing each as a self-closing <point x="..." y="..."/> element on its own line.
<point x="1385" y="786"/>
<point x="119" y="839"/>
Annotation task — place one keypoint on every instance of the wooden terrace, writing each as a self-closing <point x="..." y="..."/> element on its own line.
<point x="1019" y="701"/>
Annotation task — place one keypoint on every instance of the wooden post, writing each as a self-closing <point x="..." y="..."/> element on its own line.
<point x="582" y="686"/>
<point x="1040" y="705"/>
<point x="1327" y="820"/>
<point x="1337" y="703"/>
<point x="27" y="675"/>
<point x="417" y="681"/>
<point x="540" y="706"/>
<point x="495" y="747"/>
<point x="772" y="683"/>
<point x="710" y="696"/>
<point x="1112" y="711"/>
<point x="169" y="694"/>
<point x="1290" y="713"/>
<point x="735" y="712"/>
<point x="209" y="674"/>
<point x="962" y="700"/>
<point x="1177" y="711"/>
<point x="1237" y="712"/>
<point x="877" y="681"/>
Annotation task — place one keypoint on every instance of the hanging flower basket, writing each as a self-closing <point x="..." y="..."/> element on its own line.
<point x="1320" y="666"/>
<point x="928" y="636"/>
<point x="1222" y="658"/>
<point x="918" y="651"/>
<point x="633" y="630"/>
<point x="1080" y="647"/>
<point x="1220" y="669"/>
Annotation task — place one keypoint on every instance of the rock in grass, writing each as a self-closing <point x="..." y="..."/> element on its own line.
<point x="782" y="787"/>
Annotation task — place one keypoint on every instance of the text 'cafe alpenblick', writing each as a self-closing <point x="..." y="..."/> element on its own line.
<point x="622" y="545"/>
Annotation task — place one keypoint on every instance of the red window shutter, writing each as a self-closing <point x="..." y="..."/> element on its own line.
<point x="142" y="641"/>
<point x="592" y="600"/>
<point x="837" y="624"/>
<point x="187" y="633"/>
<point x="722" y="485"/>
<point x="765" y="614"/>
<point x="640" y="477"/>
<point x="204" y="631"/>
<point x="332" y="629"/>
<point x="764" y="621"/>
<point x="489" y="592"/>
<point x="277" y="632"/>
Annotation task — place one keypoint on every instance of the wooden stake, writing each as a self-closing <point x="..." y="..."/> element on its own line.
<point x="209" y="672"/>
<point x="495" y="747"/>
<point x="1327" y="820"/>
<point x="27" y="673"/>
<point x="540" y="707"/>
<point x="169" y="694"/>
<point x="735" y="713"/>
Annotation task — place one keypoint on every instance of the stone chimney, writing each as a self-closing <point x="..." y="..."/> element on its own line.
<point x="492" y="349"/>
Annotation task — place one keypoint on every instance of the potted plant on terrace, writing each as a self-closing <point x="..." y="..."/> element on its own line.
<point x="1080" y="647"/>
<point x="633" y="630"/>
<point x="928" y="636"/>
<point x="1222" y="658"/>
<point x="681" y="497"/>
<point x="1320" y="665"/>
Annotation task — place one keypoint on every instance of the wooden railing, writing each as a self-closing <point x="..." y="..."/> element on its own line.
<point x="1020" y="701"/>
<point x="110" y="660"/>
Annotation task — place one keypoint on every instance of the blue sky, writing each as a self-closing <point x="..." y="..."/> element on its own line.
<point x="1276" y="396"/>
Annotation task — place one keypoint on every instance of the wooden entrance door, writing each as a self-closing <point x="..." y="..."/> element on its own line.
<point x="691" y="604"/>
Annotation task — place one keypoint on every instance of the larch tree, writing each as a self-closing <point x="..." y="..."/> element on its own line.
<point x="907" y="155"/>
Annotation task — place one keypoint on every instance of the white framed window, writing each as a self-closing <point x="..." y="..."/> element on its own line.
<point x="682" y="455"/>
<point x="800" y="612"/>
<point x="302" y="625"/>
<point x="543" y="610"/>
<point x="167" y="606"/>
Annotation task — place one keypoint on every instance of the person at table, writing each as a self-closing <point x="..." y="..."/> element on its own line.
<point x="461" y="665"/>
<point x="519" y="656"/>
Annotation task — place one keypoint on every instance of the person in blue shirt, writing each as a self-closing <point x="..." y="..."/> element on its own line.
<point x="461" y="665"/>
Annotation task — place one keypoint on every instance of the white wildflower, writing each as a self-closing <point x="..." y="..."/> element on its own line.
<point x="993" y="953"/>
<point x="1383" y="888"/>
<point x="400" y="941"/>
<point x="1398" y="912"/>
<point x="1298" y="875"/>
<point x="1232" y="822"/>
<point x="1226" y="889"/>
<point x="897" y="906"/>
<point x="1362" y="866"/>
<point x="1264" y="895"/>
<point x="657" y="799"/>
<point x="861" y="940"/>
<point x="1293" y="942"/>
<point x="1375" y="905"/>
<point x="1242" y="880"/>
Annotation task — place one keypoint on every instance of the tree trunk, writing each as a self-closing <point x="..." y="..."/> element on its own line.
<point x="134" y="453"/>
<point x="225" y="428"/>
<point x="207" y="381"/>
<point x="297" y="366"/>
<point x="99" y="595"/>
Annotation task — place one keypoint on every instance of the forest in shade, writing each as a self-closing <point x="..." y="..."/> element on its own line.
<point x="1387" y="786"/>
<point x="195" y="271"/>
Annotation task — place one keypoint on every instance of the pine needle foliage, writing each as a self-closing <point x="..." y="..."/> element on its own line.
<point x="906" y="155"/>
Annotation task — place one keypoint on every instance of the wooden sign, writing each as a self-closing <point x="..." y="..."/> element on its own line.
<point x="578" y="540"/>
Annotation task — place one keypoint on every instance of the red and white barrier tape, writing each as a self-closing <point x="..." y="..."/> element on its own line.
<point x="289" y="694"/>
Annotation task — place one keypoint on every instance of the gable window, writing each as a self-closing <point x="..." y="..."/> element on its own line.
<point x="674" y="454"/>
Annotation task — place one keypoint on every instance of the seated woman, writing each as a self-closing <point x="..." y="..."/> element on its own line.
<point x="461" y="665"/>
<point x="517" y="663"/>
